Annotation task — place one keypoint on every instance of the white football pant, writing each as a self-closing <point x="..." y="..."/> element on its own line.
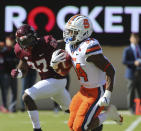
<point x="53" y="88"/>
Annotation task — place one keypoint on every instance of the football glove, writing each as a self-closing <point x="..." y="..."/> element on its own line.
<point x="16" y="73"/>
<point x="57" y="57"/>
<point x="105" y="99"/>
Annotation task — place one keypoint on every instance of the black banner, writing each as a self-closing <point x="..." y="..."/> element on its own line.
<point x="113" y="21"/>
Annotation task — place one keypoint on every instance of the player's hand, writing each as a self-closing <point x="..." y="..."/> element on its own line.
<point x="57" y="57"/>
<point x="105" y="99"/>
<point x="16" y="73"/>
<point x="137" y="62"/>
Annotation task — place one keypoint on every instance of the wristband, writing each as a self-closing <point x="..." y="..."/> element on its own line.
<point x="107" y="94"/>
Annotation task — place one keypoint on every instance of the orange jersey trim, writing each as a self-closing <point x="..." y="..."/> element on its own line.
<point x="93" y="49"/>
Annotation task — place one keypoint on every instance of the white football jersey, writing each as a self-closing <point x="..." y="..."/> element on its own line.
<point x="90" y="76"/>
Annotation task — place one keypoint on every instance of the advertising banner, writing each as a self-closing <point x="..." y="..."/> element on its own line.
<point x="113" y="21"/>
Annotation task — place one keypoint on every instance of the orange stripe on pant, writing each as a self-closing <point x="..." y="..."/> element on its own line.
<point x="81" y="105"/>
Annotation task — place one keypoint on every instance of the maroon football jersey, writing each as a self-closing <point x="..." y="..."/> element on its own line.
<point x="40" y="56"/>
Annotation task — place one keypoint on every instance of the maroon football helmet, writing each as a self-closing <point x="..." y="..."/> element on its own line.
<point x="26" y="36"/>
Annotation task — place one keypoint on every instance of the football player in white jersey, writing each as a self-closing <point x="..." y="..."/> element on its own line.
<point x="96" y="76"/>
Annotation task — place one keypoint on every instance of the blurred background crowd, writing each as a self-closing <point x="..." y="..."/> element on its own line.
<point x="8" y="61"/>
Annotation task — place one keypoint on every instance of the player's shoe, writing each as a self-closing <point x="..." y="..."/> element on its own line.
<point x="99" y="128"/>
<point x="114" y="115"/>
<point x="3" y="109"/>
<point x="67" y="111"/>
<point x="37" y="129"/>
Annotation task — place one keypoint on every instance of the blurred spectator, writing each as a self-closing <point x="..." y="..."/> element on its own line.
<point x="27" y="82"/>
<point x="132" y="61"/>
<point x="11" y="62"/>
<point x="3" y="81"/>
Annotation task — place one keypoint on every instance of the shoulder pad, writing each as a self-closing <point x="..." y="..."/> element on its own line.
<point x="93" y="47"/>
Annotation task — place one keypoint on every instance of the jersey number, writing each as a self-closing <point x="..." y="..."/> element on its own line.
<point x="81" y="72"/>
<point x="41" y="62"/>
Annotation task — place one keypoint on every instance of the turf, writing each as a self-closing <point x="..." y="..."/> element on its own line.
<point x="51" y="121"/>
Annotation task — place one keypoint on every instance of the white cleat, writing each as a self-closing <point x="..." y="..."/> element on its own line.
<point x="113" y="114"/>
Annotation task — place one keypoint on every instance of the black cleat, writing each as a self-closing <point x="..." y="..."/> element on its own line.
<point x="67" y="111"/>
<point x="37" y="129"/>
<point x="99" y="128"/>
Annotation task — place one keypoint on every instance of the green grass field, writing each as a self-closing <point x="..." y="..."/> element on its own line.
<point x="58" y="122"/>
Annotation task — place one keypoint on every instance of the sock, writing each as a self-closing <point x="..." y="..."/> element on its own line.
<point x="102" y="117"/>
<point x="34" y="116"/>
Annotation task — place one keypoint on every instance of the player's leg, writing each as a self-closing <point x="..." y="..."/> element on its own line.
<point x="29" y="98"/>
<point x="62" y="98"/>
<point x="31" y="107"/>
<point x="83" y="118"/>
<point x="42" y="89"/>
<point x="113" y="114"/>
<point x="74" y="107"/>
<point x="99" y="118"/>
<point x="27" y="82"/>
<point x="88" y="110"/>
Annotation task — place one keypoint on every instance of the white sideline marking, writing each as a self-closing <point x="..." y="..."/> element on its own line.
<point x="134" y="124"/>
<point x="109" y="123"/>
<point x="125" y="113"/>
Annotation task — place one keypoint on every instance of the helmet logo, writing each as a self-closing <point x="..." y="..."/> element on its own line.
<point x="86" y="23"/>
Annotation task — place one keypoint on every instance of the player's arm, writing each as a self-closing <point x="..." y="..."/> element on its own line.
<point x="61" y="44"/>
<point x="23" y="67"/>
<point x="101" y="62"/>
<point x="57" y="55"/>
<point x="21" y="70"/>
<point x="56" y="44"/>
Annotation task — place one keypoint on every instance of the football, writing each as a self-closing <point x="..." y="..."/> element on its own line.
<point x="64" y="67"/>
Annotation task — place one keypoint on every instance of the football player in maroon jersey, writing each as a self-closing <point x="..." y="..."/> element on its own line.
<point x="36" y="53"/>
